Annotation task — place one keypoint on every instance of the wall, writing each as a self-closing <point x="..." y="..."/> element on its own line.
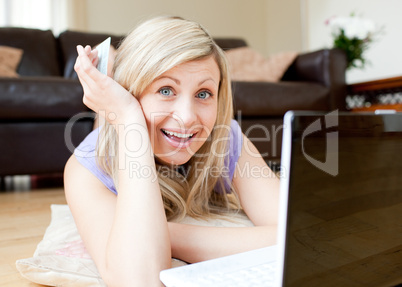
<point x="77" y="15"/>
<point x="384" y="55"/>
<point x="283" y="22"/>
<point x="269" y="26"/>
<point x="223" y="18"/>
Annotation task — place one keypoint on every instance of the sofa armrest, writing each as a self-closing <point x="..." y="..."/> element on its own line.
<point x="40" y="98"/>
<point x="326" y="67"/>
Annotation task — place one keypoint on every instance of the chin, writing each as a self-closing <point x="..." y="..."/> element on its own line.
<point x="172" y="161"/>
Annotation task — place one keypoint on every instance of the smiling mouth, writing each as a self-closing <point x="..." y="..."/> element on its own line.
<point x="178" y="136"/>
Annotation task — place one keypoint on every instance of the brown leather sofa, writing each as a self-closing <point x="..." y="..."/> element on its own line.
<point x="315" y="81"/>
<point x="36" y="107"/>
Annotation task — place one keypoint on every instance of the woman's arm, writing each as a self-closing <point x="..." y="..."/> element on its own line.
<point x="258" y="191"/>
<point x="138" y="241"/>
<point x="199" y="243"/>
<point x="257" y="186"/>
<point x="127" y="236"/>
<point x="121" y="260"/>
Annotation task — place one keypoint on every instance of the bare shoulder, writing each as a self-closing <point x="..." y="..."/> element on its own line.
<point x="84" y="191"/>
<point x="73" y="172"/>
<point x="251" y="164"/>
<point x="257" y="185"/>
<point x="77" y="177"/>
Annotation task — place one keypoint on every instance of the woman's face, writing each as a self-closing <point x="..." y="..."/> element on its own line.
<point x="180" y="108"/>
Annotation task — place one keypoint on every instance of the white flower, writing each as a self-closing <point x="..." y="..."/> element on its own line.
<point x="353" y="35"/>
<point x="353" y="27"/>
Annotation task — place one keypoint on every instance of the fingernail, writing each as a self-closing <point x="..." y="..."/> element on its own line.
<point x="79" y="49"/>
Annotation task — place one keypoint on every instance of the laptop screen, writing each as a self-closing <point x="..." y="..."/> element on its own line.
<point x="344" y="220"/>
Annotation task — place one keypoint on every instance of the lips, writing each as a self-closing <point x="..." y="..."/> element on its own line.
<point x="177" y="139"/>
<point x="181" y="136"/>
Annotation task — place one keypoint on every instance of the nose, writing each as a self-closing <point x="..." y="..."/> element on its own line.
<point x="185" y="111"/>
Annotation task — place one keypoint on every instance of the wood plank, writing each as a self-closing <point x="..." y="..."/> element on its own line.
<point x="24" y="217"/>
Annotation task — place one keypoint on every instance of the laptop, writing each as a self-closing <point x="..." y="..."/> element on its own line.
<point x="340" y="209"/>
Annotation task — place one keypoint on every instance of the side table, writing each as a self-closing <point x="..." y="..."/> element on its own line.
<point x="378" y="94"/>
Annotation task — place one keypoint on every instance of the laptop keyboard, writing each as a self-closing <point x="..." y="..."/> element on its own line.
<point x="256" y="276"/>
<point x="255" y="268"/>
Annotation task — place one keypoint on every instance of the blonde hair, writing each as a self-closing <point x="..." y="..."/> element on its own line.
<point x="153" y="48"/>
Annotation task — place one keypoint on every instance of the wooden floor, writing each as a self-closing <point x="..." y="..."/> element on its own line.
<point x="24" y="216"/>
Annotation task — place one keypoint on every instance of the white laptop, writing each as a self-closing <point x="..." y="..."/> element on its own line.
<point x="340" y="209"/>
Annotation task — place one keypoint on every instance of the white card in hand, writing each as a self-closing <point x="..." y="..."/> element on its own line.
<point x="103" y="55"/>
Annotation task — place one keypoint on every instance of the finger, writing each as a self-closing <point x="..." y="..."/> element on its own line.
<point x="82" y="74"/>
<point x="86" y="83"/>
<point x="88" y="49"/>
<point x="85" y="69"/>
<point x="94" y="57"/>
<point x="93" y="54"/>
<point x="95" y="62"/>
<point x="85" y="60"/>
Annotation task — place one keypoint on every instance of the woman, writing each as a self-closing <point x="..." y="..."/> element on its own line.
<point x="167" y="147"/>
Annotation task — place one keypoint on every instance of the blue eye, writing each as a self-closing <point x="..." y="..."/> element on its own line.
<point x="165" y="92"/>
<point x="204" y="95"/>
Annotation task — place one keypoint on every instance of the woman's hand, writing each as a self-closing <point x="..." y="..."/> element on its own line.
<point x="102" y="94"/>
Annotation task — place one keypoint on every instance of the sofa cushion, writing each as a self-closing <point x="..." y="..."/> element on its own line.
<point x="246" y="64"/>
<point x="40" y="56"/>
<point x="9" y="60"/>
<point x="275" y="99"/>
<point x="40" y="98"/>
<point x="69" y="40"/>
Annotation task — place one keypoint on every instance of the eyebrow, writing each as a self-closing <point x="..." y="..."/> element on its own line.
<point x="177" y="81"/>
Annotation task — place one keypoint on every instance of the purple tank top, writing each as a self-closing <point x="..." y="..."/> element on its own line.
<point x="85" y="153"/>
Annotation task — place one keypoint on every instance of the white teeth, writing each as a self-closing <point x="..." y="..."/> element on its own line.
<point x="178" y="134"/>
